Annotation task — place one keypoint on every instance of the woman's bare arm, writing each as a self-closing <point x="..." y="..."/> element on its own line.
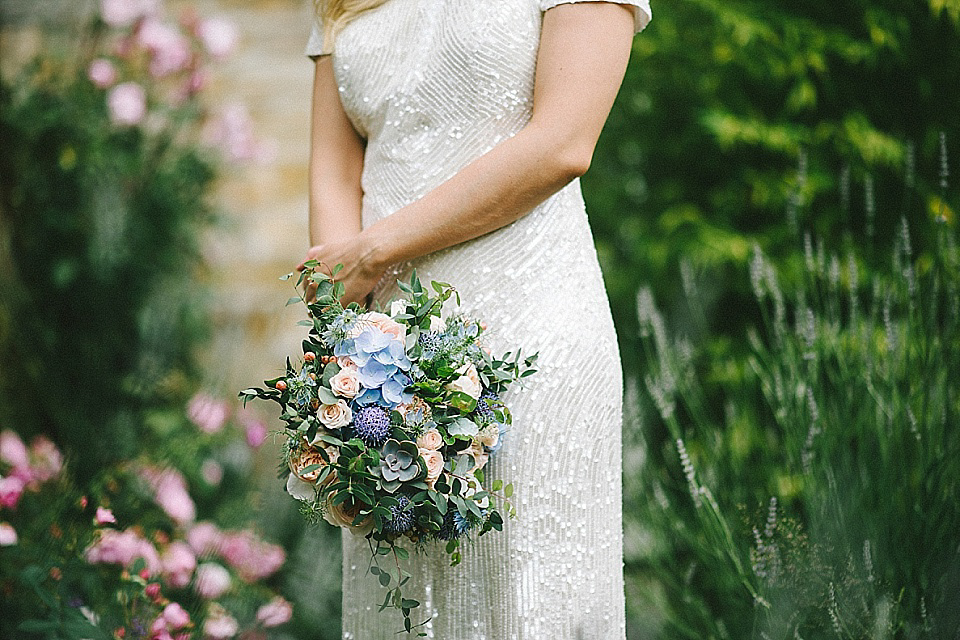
<point x="336" y="161"/>
<point x="584" y="49"/>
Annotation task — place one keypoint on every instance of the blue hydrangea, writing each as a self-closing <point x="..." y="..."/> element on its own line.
<point x="401" y="516"/>
<point x="372" y="425"/>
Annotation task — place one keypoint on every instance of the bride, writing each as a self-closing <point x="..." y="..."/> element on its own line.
<point x="448" y="136"/>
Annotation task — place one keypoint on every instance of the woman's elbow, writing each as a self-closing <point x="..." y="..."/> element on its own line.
<point x="573" y="160"/>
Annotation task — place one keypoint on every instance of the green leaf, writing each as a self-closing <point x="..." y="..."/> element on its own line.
<point x="508" y="490"/>
<point x="497" y="484"/>
<point x="293" y="300"/>
<point x="326" y="395"/>
<point x="463" y="426"/>
<point x="384" y="579"/>
<point x="402" y="553"/>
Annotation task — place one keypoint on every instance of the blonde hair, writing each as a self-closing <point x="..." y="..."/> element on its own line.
<point x="335" y="14"/>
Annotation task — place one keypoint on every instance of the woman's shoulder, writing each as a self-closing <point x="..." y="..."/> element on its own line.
<point x="641" y="8"/>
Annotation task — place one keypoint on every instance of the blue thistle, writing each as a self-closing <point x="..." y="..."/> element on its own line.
<point x="454" y="525"/>
<point x="372" y="425"/>
<point x="401" y="519"/>
<point x="430" y="341"/>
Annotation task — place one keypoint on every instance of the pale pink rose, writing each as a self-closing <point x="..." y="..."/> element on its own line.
<point x="123" y="548"/>
<point x="233" y="132"/>
<point x="207" y="412"/>
<point x="127" y="103"/>
<point x="490" y="436"/>
<point x="212" y="472"/>
<point x="11" y="488"/>
<point x="346" y="362"/>
<point x="219" y="36"/>
<point x="8" y="535"/>
<point x="253" y="558"/>
<point x="169" y="48"/>
<point x="430" y="439"/>
<point x="340" y="516"/>
<point x="345" y="383"/>
<point x="212" y="580"/>
<point x="205" y="538"/>
<point x="468" y="382"/>
<point x="275" y="612"/>
<point x="123" y="13"/>
<point x="170" y="493"/>
<point x="104" y="516"/>
<point x="178" y="564"/>
<point x="175" y="616"/>
<point x="46" y="459"/>
<point x="334" y="416"/>
<point x="14" y="453"/>
<point x="385" y="323"/>
<point x="434" y="461"/>
<point x="219" y="624"/>
<point x="102" y="73"/>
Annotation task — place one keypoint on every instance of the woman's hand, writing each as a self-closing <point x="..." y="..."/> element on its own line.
<point x="361" y="270"/>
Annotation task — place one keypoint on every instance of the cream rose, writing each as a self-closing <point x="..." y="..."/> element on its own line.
<point x="480" y="457"/>
<point x="438" y="324"/>
<point x="468" y="382"/>
<point x="430" y="439"/>
<point x="341" y="516"/>
<point x="334" y="416"/>
<point x="490" y="436"/>
<point x="345" y="383"/>
<point x="434" y="460"/>
<point x="385" y="323"/>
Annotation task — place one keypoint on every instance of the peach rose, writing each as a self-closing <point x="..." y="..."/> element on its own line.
<point x="334" y="416"/>
<point x="345" y="383"/>
<point x="468" y="382"/>
<point x="346" y="362"/>
<point x="434" y="461"/>
<point x="480" y="457"/>
<point x="490" y="436"/>
<point x="308" y="457"/>
<point x="341" y="516"/>
<point x="385" y="323"/>
<point x="430" y="440"/>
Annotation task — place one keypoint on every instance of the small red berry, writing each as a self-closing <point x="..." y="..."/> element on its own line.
<point x="120" y="632"/>
<point x="55" y="573"/>
<point x="281" y="385"/>
<point x="309" y="356"/>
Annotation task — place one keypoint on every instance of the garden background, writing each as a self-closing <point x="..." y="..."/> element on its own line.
<point x="775" y="217"/>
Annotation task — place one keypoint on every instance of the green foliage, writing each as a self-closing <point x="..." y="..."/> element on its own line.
<point x="842" y="418"/>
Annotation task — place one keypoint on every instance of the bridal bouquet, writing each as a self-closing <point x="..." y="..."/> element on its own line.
<point x="390" y="420"/>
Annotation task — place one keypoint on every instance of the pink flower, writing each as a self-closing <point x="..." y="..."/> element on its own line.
<point x="207" y="412"/>
<point x="8" y="535"/>
<point x="212" y="580"/>
<point x="13" y="451"/>
<point x="104" y="516"/>
<point x="11" y="488"/>
<point x="127" y="103"/>
<point x="123" y="13"/>
<point x="169" y="48"/>
<point x="102" y="73"/>
<point x="178" y="564"/>
<point x="205" y="538"/>
<point x="212" y="472"/>
<point x="46" y="459"/>
<point x="253" y="558"/>
<point x="170" y="492"/>
<point x="256" y="432"/>
<point x="219" y="36"/>
<point x="123" y="548"/>
<point x="233" y="131"/>
<point x="152" y="590"/>
<point x="175" y="616"/>
<point x="220" y="625"/>
<point x="275" y="612"/>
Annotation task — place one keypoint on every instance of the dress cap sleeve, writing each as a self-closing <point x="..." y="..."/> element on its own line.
<point x="641" y="9"/>
<point x="315" y="44"/>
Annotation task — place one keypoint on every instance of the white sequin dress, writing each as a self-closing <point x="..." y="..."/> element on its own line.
<point x="432" y="85"/>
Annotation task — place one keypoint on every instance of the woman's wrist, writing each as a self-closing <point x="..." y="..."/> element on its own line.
<point x="375" y="254"/>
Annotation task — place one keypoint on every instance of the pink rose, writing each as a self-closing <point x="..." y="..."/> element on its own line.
<point x="175" y="616"/>
<point x="14" y="453"/>
<point x="385" y="323"/>
<point x="11" y="488"/>
<point x="219" y="36"/>
<point x="233" y="131"/>
<point x="205" y="538"/>
<point x="102" y="73"/>
<point x="104" y="516"/>
<point x="346" y="362"/>
<point x="334" y="416"/>
<point x="169" y="48"/>
<point x="212" y="580"/>
<point x="127" y="103"/>
<point x="123" y="13"/>
<point x="345" y="383"/>
<point x="275" y="612"/>
<point x="212" y="472"/>
<point x="256" y="433"/>
<point x="434" y="461"/>
<point x="253" y="558"/>
<point x="468" y="382"/>
<point x="170" y="493"/>
<point x="47" y="461"/>
<point x="178" y="564"/>
<point x="207" y="412"/>
<point x="8" y="535"/>
<point x="123" y="548"/>
<point x="430" y="439"/>
<point x="219" y="624"/>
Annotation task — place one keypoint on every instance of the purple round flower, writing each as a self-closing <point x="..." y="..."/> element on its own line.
<point x="372" y="425"/>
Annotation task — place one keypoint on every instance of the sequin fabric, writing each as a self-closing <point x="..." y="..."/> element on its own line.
<point x="432" y="85"/>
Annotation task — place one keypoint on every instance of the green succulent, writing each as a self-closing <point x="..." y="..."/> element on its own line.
<point x="399" y="462"/>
